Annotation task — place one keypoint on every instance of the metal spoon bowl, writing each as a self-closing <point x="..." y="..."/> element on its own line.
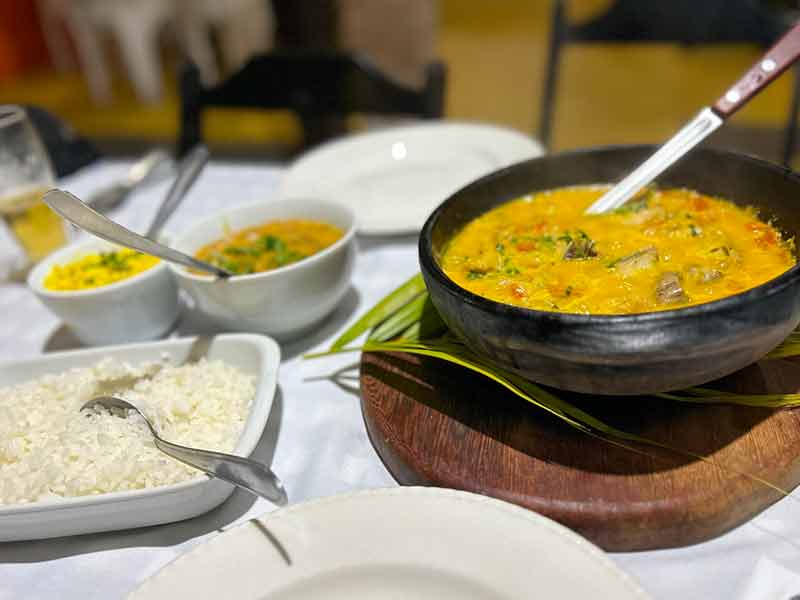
<point x="245" y="473"/>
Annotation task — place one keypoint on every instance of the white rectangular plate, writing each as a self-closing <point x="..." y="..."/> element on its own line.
<point x="256" y="355"/>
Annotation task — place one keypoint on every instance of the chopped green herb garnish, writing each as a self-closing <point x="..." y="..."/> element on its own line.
<point x="272" y="243"/>
<point x="579" y="247"/>
<point x="287" y="256"/>
<point x="637" y="204"/>
<point x="546" y="240"/>
<point x="242" y="251"/>
<point x="633" y="206"/>
<point x="114" y="261"/>
<point x="229" y="265"/>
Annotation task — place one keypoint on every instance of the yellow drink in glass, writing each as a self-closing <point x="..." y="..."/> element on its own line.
<point x="37" y="229"/>
<point x="25" y="175"/>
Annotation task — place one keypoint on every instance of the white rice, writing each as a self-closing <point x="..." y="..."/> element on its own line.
<point x="50" y="449"/>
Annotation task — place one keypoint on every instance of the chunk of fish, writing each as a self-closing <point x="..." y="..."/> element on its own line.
<point x="579" y="249"/>
<point x="646" y="215"/>
<point x="642" y="259"/>
<point x="727" y="256"/>
<point x="669" y="289"/>
<point x="703" y="274"/>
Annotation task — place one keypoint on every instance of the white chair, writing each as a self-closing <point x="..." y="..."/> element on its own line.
<point x="135" y="25"/>
<point x="245" y="27"/>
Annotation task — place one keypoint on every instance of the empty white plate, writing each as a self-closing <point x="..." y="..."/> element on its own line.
<point x="393" y="178"/>
<point x="421" y="543"/>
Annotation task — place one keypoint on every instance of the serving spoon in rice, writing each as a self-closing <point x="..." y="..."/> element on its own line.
<point x="253" y="476"/>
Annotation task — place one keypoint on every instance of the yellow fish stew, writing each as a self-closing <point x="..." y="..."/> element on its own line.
<point x="663" y="250"/>
<point x="96" y="270"/>
<point x="269" y="246"/>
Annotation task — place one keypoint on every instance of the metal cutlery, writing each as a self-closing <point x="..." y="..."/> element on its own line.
<point x="153" y="166"/>
<point x="776" y="60"/>
<point x="188" y="171"/>
<point x="79" y="214"/>
<point x="246" y="473"/>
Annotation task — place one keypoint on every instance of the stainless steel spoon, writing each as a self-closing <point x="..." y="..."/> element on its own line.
<point x="245" y="473"/>
<point x="153" y="166"/>
<point x="188" y="171"/>
<point x="76" y="212"/>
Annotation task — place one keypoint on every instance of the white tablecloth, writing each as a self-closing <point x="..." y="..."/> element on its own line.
<point x="317" y="443"/>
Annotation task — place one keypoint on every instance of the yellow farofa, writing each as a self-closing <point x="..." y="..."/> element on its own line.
<point x="517" y="252"/>
<point x="96" y="270"/>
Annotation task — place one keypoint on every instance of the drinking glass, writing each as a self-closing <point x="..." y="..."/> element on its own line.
<point x="25" y="175"/>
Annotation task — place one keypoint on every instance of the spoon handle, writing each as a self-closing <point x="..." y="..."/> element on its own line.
<point x="152" y="166"/>
<point x="189" y="169"/>
<point x="78" y="213"/>
<point x="773" y="63"/>
<point x="777" y="59"/>
<point x="243" y="472"/>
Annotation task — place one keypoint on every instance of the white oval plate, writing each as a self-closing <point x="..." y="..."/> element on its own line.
<point x="393" y="178"/>
<point x="421" y="543"/>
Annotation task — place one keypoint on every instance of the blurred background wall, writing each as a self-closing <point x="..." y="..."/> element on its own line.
<point x="495" y="53"/>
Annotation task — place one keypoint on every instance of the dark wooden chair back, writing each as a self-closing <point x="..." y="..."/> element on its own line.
<point x="313" y="84"/>
<point x="689" y="22"/>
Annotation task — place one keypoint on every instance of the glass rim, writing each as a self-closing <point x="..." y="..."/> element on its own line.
<point x="11" y="114"/>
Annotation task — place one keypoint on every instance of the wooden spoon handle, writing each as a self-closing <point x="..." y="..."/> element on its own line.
<point x="777" y="59"/>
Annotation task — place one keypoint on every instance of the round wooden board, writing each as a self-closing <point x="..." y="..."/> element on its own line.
<point x="436" y="424"/>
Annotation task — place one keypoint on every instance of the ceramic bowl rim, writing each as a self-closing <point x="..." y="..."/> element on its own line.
<point x="431" y="267"/>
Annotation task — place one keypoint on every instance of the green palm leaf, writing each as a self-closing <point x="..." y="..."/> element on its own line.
<point x="407" y="321"/>
<point x="381" y="311"/>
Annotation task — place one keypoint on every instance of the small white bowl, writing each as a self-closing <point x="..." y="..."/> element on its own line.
<point x="142" y="307"/>
<point x="284" y="302"/>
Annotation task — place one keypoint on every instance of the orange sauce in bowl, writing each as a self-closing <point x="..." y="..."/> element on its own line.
<point x="666" y="249"/>
<point x="269" y="246"/>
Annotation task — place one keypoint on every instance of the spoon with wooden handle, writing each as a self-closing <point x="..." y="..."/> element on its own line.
<point x="776" y="60"/>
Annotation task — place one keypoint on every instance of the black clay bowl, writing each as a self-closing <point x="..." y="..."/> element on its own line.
<point x="621" y="354"/>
